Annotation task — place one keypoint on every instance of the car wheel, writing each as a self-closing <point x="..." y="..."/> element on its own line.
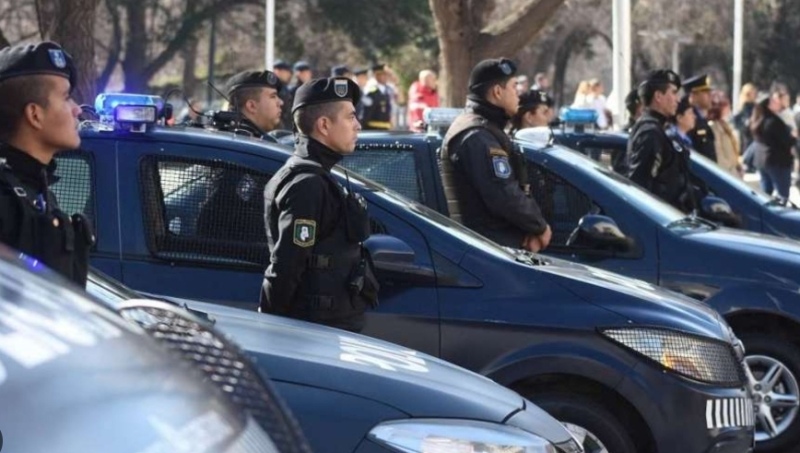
<point x="595" y="428"/>
<point x="773" y="372"/>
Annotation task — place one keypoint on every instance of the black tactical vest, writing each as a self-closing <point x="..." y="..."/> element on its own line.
<point x="339" y="284"/>
<point x="46" y="233"/>
<point x="455" y="183"/>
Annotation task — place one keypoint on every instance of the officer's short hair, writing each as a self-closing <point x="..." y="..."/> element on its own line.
<point x="648" y="90"/>
<point x="240" y="97"/>
<point x="16" y="93"/>
<point x="306" y="117"/>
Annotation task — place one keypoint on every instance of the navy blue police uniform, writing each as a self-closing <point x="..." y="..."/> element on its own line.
<point x="318" y="270"/>
<point x="377" y="103"/>
<point x="702" y="135"/>
<point x="31" y="220"/>
<point x="483" y="171"/>
<point x="654" y="160"/>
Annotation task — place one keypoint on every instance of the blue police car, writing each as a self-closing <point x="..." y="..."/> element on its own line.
<point x="180" y="212"/>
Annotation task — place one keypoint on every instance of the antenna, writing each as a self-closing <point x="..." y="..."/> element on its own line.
<point x="218" y="91"/>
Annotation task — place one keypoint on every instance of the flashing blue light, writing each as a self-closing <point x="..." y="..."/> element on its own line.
<point x="578" y="116"/>
<point x="106" y="103"/>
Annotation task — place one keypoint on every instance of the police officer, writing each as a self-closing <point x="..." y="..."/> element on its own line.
<point x="318" y="270"/>
<point x="341" y="71"/>
<point x="698" y="88"/>
<point x="535" y="110"/>
<point x="634" y="107"/>
<point x="654" y="161"/>
<point x="378" y="100"/>
<point x="254" y="95"/>
<point x="483" y="172"/>
<point x="283" y="70"/>
<point x="38" y="118"/>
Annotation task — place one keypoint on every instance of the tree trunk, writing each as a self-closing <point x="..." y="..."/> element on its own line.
<point x="70" y="23"/>
<point x="465" y="40"/>
<point x="135" y="48"/>
<point x="115" y="47"/>
<point x="189" y="55"/>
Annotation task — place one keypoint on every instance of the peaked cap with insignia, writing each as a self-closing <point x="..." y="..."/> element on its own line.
<point x="320" y="91"/>
<point x="700" y="82"/>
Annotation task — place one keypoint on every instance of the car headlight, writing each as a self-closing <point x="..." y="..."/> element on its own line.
<point x="457" y="436"/>
<point x="703" y="359"/>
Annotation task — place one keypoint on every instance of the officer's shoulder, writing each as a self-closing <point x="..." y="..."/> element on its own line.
<point x="478" y="137"/>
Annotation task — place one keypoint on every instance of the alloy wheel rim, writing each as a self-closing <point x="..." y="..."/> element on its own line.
<point x="776" y="395"/>
<point x="588" y="440"/>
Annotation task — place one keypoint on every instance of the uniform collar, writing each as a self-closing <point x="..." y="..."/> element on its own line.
<point x="658" y="117"/>
<point x="26" y="167"/>
<point x="309" y="148"/>
<point x="249" y="126"/>
<point x="491" y="112"/>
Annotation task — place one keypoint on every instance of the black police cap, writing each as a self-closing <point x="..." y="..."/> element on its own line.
<point x="339" y="71"/>
<point x="302" y="66"/>
<point x="700" y="82"/>
<point x="378" y="67"/>
<point x="663" y="77"/>
<point x="489" y="71"/>
<point x="254" y="79"/>
<point x="321" y="91"/>
<point x="281" y="64"/>
<point x="534" y="98"/>
<point x="44" y="58"/>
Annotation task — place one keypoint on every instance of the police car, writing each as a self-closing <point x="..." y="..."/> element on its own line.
<point x="76" y="377"/>
<point x="352" y="393"/>
<point x="757" y="211"/>
<point x="180" y="212"/>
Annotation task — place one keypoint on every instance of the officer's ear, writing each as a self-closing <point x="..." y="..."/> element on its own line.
<point x="34" y="116"/>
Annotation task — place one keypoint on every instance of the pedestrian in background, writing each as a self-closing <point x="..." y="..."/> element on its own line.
<point x="725" y="140"/>
<point x="772" y="146"/>
<point x="421" y="95"/>
<point x="741" y="121"/>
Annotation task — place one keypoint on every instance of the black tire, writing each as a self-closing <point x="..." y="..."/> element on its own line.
<point x="590" y="415"/>
<point x="785" y="351"/>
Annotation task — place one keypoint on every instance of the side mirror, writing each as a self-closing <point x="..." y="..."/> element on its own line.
<point x="393" y="261"/>
<point x="599" y="232"/>
<point x="718" y="210"/>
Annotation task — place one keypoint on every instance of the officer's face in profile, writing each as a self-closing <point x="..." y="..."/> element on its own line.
<point x="283" y="74"/>
<point x="341" y="129"/>
<point x="265" y="111"/>
<point x="686" y="120"/>
<point x="381" y="77"/>
<point x="57" y="123"/>
<point x="702" y="99"/>
<point x="507" y="97"/>
<point x="666" y="102"/>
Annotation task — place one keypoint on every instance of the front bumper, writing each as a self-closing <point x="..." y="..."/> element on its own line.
<point x="691" y="417"/>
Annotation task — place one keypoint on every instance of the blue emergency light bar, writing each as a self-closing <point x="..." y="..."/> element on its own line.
<point x="440" y="116"/>
<point x="578" y="116"/>
<point x="131" y="112"/>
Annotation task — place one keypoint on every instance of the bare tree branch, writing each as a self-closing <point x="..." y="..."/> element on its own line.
<point x="115" y="48"/>
<point x="3" y="40"/>
<point x="516" y="30"/>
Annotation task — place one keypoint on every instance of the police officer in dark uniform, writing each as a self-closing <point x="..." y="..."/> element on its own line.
<point x="654" y="161"/>
<point x="254" y="96"/>
<point x="341" y="71"/>
<point x="484" y="174"/>
<point x="318" y="269"/>
<point x="634" y="107"/>
<point x="283" y="70"/>
<point x="698" y="88"/>
<point x="38" y="118"/>
<point x="378" y="101"/>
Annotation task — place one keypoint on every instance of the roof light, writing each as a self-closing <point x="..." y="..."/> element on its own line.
<point x="128" y="112"/>
<point x="440" y="117"/>
<point x="578" y="116"/>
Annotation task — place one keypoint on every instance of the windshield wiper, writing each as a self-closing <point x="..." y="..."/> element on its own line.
<point x="694" y="221"/>
<point x="524" y="256"/>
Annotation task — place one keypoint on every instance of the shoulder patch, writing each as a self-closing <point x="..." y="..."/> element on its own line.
<point x="502" y="169"/>
<point x="305" y="232"/>
<point x="499" y="152"/>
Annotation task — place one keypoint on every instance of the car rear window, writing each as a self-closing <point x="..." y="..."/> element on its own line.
<point x="75" y="185"/>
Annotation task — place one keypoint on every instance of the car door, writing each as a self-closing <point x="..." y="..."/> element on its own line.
<point x="86" y="183"/>
<point x="193" y="223"/>
<point x="565" y="197"/>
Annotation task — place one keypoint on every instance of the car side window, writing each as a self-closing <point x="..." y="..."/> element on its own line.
<point x="394" y="166"/>
<point x="204" y="211"/>
<point x="562" y="204"/>
<point x="75" y="183"/>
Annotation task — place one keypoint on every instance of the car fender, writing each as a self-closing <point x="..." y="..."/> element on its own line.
<point x="770" y="299"/>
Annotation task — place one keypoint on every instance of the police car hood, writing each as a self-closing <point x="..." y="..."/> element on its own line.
<point x="68" y="365"/>
<point x="638" y="300"/>
<point x="410" y="381"/>
<point x="763" y="258"/>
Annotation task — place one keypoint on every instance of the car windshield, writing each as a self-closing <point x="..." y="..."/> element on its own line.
<point x="738" y="184"/>
<point x="434" y="218"/>
<point x="633" y="194"/>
